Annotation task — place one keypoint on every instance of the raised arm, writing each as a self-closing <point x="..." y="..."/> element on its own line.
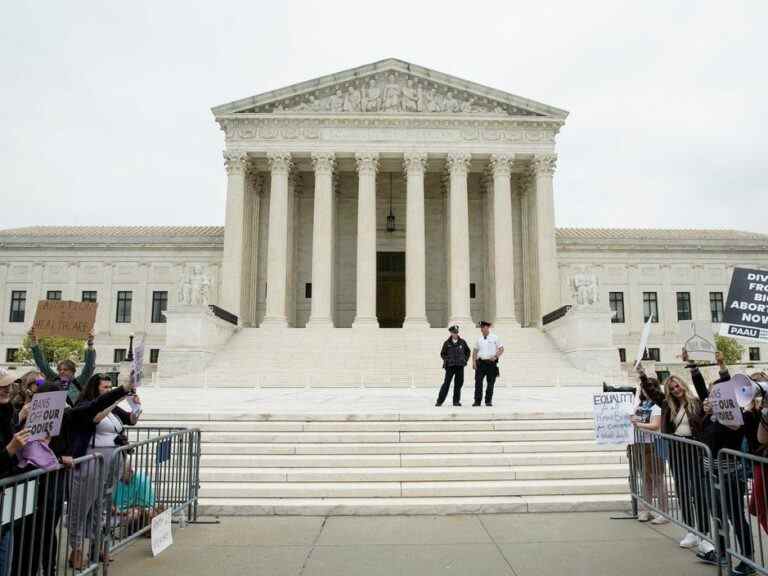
<point x="89" y="366"/>
<point x="39" y="358"/>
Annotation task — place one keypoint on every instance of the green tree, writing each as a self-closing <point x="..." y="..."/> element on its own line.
<point x="732" y="351"/>
<point x="54" y="349"/>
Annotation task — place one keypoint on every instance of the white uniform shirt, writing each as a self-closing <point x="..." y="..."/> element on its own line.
<point x="488" y="347"/>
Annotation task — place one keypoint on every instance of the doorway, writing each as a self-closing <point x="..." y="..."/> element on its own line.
<point x="390" y="289"/>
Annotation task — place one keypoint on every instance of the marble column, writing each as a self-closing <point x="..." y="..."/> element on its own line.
<point x="367" y="165"/>
<point x="234" y="222"/>
<point x="546" y="249"/>
<point x="254" y="188"/>
<point x="528" y="274"/>
<point x="415" y="242"/>
<point x="322" y="242"/>
<point x="458" y="168"/>
<point x="503" y="241"/>
<point x="277" y="243"/>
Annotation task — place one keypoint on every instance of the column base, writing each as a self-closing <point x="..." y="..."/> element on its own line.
<point x="416" y="323"/>
<point x="318" y="323"/>
<point x="507" y="322"/>
<point x="274" y="322"/>
<point x="365" y="322"/>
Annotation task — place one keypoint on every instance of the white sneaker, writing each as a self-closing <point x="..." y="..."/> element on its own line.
<point x="705" y="547"/>
<point x="659" y="519"/>
<point x="690" y="541"/>
<point x="643" y="516"/>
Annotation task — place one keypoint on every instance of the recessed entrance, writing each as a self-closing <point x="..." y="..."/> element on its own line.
<point x="390" y="289"/>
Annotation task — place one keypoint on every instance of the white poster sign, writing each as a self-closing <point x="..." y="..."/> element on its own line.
<point x="137" y="366"/>
<point x="725" y="405"/>
<point x="611" y="412"/>
<point x="45" y="413"/>
<point x="162" y="532"/>
<point x="643" y="341"/>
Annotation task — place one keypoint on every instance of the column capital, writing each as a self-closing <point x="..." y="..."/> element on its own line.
<point x="458" y="162"/>
<point x="544" y="164"/>
<point x="323" y="162"/>
<point x="501" y="165"/>
<point x="367" y="161"/>
<point x="280" y="162"/>
<point x="414" y="161"/>
<point x="235" y="162"/>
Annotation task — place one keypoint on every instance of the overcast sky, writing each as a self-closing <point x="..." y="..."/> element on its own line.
<point x="105" y="106"/>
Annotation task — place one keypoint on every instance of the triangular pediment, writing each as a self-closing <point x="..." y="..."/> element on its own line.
<point x="390" y="87"/>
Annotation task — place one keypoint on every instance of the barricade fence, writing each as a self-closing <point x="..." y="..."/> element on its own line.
<point x="70" y="519"/>
<point x="723" y="501"/>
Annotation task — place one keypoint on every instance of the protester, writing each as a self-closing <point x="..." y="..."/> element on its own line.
<point x="455" y="354"/>
<point x="65" y="369"/>
<point x="97" y="428"/>
<point x="134" y="500"/>
<point x="758" y="500"/>
<point x="649" y="401"/>
<point x="23" y="388"/>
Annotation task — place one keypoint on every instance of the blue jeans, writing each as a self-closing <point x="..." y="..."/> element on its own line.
<point x="5" y="550"/>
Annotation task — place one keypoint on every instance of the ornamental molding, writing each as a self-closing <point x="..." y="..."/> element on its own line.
<point x="323" y="162"/>
<point x="414" y="162"/>
<point x="367" y="162"/>
<point x="501" y="165"/>
<point x="458" y="162"/>
<point x="235" y="162"/>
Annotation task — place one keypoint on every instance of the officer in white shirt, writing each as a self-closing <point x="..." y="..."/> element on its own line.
<point x="485" y="362"/>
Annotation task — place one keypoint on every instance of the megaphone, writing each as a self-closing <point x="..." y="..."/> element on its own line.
<point x="746" y="389"/>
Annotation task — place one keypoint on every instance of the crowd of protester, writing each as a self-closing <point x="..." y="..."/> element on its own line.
<point x="92" y="423"/>
<point x="684" y="413"/>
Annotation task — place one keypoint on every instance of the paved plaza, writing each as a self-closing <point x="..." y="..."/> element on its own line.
<point x="493" y="545"/>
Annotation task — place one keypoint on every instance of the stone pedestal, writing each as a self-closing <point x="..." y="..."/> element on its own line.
<point x="585" y="337"/>
<point x="193" y="335"/>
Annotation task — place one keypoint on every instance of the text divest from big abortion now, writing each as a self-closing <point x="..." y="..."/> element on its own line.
<point x="746" y="310"/>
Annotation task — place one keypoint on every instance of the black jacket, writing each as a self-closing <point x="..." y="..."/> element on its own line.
<point x="455" y="353"/>
<point x="7" y="462"/>
<point x="81" y="426"/>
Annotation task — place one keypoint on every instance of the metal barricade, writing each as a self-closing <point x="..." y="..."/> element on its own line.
<point x="150" y="477"/>
<point x="743" y="495"/>
<point x="51" y="520"/>
<point x="670" y="477"/>
<point x="140" y="433"/>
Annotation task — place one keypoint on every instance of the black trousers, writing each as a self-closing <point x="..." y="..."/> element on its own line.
<point x="485" y="369"/>
<point x="691" y="486"/>
<point x="455" y="373"/>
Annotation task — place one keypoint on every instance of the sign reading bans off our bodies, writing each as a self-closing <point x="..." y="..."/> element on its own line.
<point x="746" y="310"/>
<point x="64" y="318"/>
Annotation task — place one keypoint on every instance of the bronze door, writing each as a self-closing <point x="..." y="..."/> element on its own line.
<point x="390" y="289"/>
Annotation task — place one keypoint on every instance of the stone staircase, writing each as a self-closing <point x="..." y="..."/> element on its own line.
<point x="441" y="462"/>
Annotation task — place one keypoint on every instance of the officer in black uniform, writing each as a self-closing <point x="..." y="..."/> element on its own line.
<point x="455" y="355"/>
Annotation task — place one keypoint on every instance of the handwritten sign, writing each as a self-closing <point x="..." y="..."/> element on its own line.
<point x="725" y="405"/>
<point x="611" y="412"/>
<point x="162" y="532"/>
<point x="64" y="318"/>
<point x="137" y="366"/>
<point x="45" y="413"/>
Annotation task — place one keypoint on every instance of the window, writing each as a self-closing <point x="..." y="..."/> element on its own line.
<point x="652" y="355"/>
<point x="159" y="305"/>
<point x="308" y="290"/>
<point x="53" y="295"/>
<point x="18" y="305"/>
<point x="119" y="355"/>
<point x="616" y="301"/>
<point x="683" y="306"/>
<point x="89" y="296"/>
<point x="10" y="354"/>
<point x="650" y="306"/>
<point x="622" y="355"/>
<point x="154" y="353"/>
<point x="124" y="307"/>
<point x="754" y="354"/>
<point x="716" y="306"/>
<point x="662" y="375"/>
<point x="472" y="290"/>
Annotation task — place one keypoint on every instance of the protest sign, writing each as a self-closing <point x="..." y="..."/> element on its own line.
<point x="746" y="309"/>
<point x="137" y="366"/>
<point x="725" y="405"/>
<point x="64" y="318"/>
<point x="698" y="341"/>
<point x="611" y="412"/>
<point x="643" y="341"/>
<point x="45" y="413"/>
<point x="162" y="532"/>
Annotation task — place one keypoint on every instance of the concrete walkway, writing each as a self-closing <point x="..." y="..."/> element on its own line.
<point x="495" y="545"/>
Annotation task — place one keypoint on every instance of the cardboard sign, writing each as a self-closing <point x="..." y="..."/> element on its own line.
<point x="698" y="342"/>
<point x="643" y="341"/>
<point x="64" y="318"/>
<point x="611" y="412"/>
<point x="746" y="310"/>
<point x="137" y="366"/>
<point x="725" y="405"/>
<point x="162" y="532"/>
<point x="45" y="413"/>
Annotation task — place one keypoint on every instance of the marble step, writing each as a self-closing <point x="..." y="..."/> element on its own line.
<point x="447" y="414"/>
<point x="408" y="460"/>
<point x="412" y="506"/>
<point x="413" y="474"/>
<point x="408" y="448"/>
<point x="412" y="489"/>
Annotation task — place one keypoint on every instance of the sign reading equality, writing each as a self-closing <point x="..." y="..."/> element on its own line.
<point x="64" y="318"/>
<point x="611" y="412"/>
<point x="746" y="310"/>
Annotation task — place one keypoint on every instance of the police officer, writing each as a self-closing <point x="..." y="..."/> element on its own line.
<point x="455" y="354"/>
<point x="485" y="362"/>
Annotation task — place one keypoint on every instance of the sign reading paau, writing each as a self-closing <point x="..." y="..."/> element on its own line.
<point x="746" y="310"/>
<point x="64" y="318"/>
